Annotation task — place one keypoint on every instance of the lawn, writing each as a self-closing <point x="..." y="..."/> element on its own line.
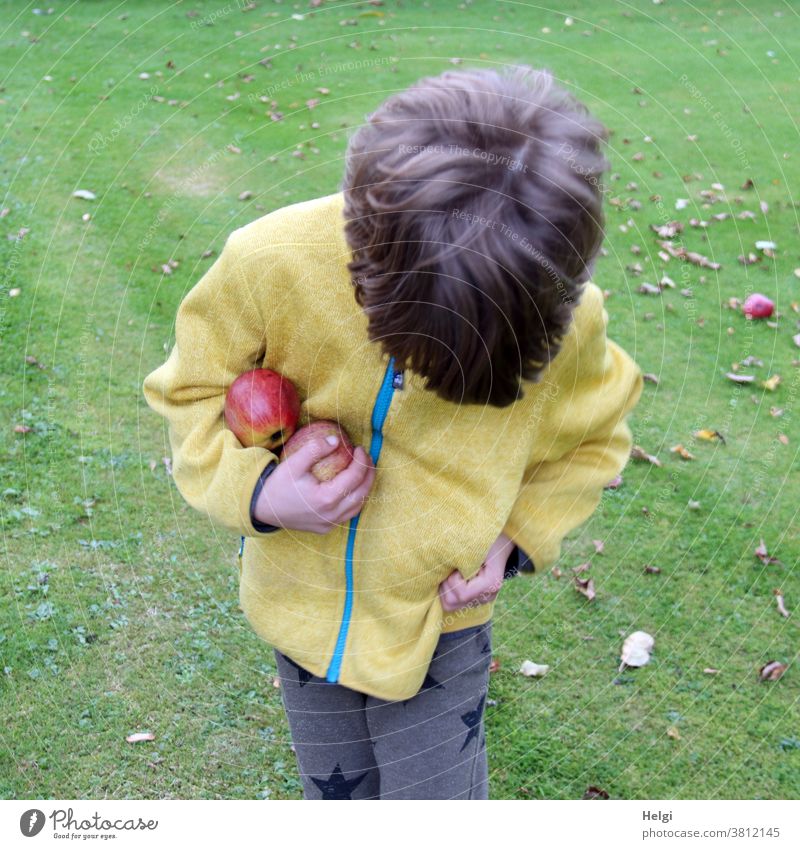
<point x="118" y="604"/>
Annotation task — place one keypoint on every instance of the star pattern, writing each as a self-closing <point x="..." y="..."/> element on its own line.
<point x="430" y="683"/>
<point x="472" y="719"/>
<point x="337" y="786"/>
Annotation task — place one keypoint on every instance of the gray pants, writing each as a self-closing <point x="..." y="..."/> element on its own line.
<point x="431" y="746"/>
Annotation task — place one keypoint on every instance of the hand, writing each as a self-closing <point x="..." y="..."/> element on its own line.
<point x="455" y="592"/>
<point x="293" y="498"/>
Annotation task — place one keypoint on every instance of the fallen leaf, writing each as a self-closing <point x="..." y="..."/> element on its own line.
<point x="245" y="195"/>
<point x="740" y="378"/>
<point x="140" y="737"/>
<point x="167" y="464"/>
<point x="581" y="568"/>
<point x="556" y="572"/>
<point x="650" y="378"/>
<point x="693" y="505"/>
<point x="599" y="545"/>
<point x="276" y="682"/>
<point x="709" y="435"/>
<point x="534" y="670"/>
<point x="614" y="483"/>
<point x="779" y="601"/>
<point x="494" y="666"/>
<point x="652" y="570"/>
<point x="684" y="452"/>
<point x="636" y="649"/>
<point x="796" y="339"/>
<point x="762" y="554"/>
<point x="585" y="586"/>
<point x="772" y="382"/>
<point x="772" y="670"/>
<point x="638" y="453"/>
<point x="764" y="245"/>
<point x="776" y="412"/>
<point x="14" y="293"/>
<point x="673" y="733"/>
<point x="84" y="194"/>
<point x="689" y="256"/>
<point x="751" y="361"/>
<point x="709" y="670"/>
<point x="593" y="792"/>
<point x="22" y="429"/>
<point x="649" y="289"/>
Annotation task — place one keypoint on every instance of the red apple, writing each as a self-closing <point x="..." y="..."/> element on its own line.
<point x="330" y="466"/>
<point x="262" y="408"/>
<point x="758" y="306"/>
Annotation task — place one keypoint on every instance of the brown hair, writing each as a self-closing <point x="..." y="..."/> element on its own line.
<point x="473" y="211"/>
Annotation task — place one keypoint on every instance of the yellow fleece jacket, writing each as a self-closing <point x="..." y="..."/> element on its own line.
<point x="359" y="605"/>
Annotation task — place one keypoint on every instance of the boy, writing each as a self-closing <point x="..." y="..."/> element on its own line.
<point x="407" y="307"/>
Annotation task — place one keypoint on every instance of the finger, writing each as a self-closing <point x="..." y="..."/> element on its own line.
<point x="348" y="479"/>
<point x="301" y="461"/>
<point x="353" y="502"/>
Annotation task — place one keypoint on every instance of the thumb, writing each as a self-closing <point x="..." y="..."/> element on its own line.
<point x="301" y="461"/>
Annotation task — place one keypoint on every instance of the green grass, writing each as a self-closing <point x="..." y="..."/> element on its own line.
<point x="118" y="604"/>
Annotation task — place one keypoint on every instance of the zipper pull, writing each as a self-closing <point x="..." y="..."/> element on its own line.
<point x="398" y="381"/>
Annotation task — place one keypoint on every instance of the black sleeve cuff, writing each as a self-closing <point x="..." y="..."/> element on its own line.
<point x="262" y="527"/>
<point x="518" y="562"/>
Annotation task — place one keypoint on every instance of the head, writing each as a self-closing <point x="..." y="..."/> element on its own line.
<point x="473" y="212"/>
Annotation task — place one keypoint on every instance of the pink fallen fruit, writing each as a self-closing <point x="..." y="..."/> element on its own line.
<point x="758" y="306"/>
<point x="262" y="408"/>
<point x="330" y="466"/>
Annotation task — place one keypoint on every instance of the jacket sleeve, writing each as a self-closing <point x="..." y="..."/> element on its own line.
<point x="219" y="334"/>
<point x="591" y="438"/>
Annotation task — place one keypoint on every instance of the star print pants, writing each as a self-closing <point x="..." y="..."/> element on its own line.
<point x="431" y="746"/>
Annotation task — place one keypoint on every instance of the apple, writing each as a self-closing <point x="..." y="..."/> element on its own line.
<point x="758" y="306"/>
<point x="330" y="466"/>
<point x="262" y="408"/>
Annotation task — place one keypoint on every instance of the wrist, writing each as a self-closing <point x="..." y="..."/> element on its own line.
<point x="260" y="514"/>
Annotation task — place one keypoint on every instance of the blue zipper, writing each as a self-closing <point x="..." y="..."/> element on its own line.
<point x="391" y="380"/>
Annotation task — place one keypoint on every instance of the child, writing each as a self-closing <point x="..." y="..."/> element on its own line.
<point x="438" y="308"/>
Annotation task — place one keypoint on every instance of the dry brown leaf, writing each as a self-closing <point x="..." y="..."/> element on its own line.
<point x="638" y="453"/>
<point x="494" y="666"/>
<point x="585" y="586"/>
<point x="22" y="429"/>
<point x="581" y="568"/>
<point x="776" y="412"/>
<point x="649" y="289"/>
<point x="772" y="382"/>
<point x="648" y="377"/>
<point x="276" y="683"/>
<point x="140" y="737"/>
<point x="772" y="670"/>
<point x="652" y="570"/>
<point x="599" y="545"/>
<point x="593" y="792"/>
<point x="689" y="256"/>
<point x="740" y="378"/>
<point x="246" y="195"/>
<point x="673" y="733"/>
<point x="783" y="439"/>
<point x="636" y="649"/>
<point x="556" y="572"/>
<point x="709" y="670"/>
<point x="684" y="452"/>
<point x="779" y="602"/>
<point x="763" y="555"/>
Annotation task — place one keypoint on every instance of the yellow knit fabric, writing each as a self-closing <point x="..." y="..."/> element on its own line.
<point x="450" y="477"/>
